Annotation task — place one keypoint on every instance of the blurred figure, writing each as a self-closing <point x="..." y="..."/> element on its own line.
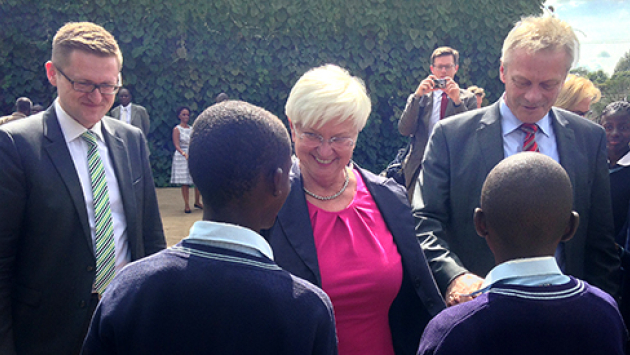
<point x="131" y="113"/>
<point x="526" y="304"/>
<point x="479" y="93"/>
<point x="23" y="107"/>
<point x="37" y="108"/>
<point x="347" y="230"/>
<point x="577" y="95"/>
<point x="219" y="291"/>
<point x="221" y="97"/>
<point x="179" y="170"/>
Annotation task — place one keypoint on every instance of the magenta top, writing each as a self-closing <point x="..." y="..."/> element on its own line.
<point x="361" y="271"/>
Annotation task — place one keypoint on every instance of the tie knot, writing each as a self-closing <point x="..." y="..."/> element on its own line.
<point x="89" y="137"/>
<point x="529" y="128"/>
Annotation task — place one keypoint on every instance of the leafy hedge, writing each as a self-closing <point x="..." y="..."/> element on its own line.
<point x="187" y="51"/>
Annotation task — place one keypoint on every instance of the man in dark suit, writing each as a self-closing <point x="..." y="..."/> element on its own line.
<point x="131" y="113"/>
<point x="77" y="200"/>
<point x="438" y="96"/>
<point x="536" y="57"/>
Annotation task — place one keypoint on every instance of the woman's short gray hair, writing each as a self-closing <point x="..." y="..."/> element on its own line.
<point x="328" y="93"/>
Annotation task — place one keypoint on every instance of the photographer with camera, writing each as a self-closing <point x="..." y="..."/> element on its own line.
<point x="438" y="96"/>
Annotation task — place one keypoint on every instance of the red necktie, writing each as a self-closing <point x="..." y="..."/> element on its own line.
<point x="529" y="144"/>
<point x="443" y="105"/>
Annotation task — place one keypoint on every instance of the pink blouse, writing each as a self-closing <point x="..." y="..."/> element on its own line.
<point x="361" y="271"/>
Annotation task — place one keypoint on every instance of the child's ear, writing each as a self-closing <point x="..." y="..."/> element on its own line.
<point x="479" y="219"/>
<point x="572" y="226"/>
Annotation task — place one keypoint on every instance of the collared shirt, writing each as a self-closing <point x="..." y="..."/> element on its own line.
<point x="513" y="137"/>
<point x="526" y="272"/>
<point x="621" y="163"/>
<point x="125" y="113"/>
<point x="229" y="236"/>
<point x="435" y="114"/>
<point x="78" y="148"/>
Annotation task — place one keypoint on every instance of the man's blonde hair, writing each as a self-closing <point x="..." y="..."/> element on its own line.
<point x="444" y="51"/>
<point x="84" y="36"/>
<point x="576" y="89"/>
<point x="541" y="33"/>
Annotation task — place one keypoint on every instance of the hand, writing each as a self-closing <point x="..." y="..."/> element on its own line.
<point x="460" y="289"/>
<point x="426" y="86"/>
<point x="452" y="90"/>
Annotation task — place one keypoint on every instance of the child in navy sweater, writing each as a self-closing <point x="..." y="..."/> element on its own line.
<point x="219" y="290"/>
<point x="526" y="305"/>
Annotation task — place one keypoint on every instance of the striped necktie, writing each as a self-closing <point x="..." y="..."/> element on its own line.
<point x="529" y="144"/>
<point x="104" y="227"/>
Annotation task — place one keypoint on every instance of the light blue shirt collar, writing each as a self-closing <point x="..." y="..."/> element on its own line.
<point x="527" y="272"/>
<point x="509" y="122"/>
<point x="229" y="236"/>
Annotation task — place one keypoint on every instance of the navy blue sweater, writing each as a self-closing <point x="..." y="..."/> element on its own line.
<point x="197" y="299"/>
<point x="574" y="318"/>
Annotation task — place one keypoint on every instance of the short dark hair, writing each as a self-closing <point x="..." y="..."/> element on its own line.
<point x="615" y="108"/>
<point x="527" y="199"/>
<point x="24" y="105"/>
<point x="232" y="144"/>
<point x="180" y="109"/>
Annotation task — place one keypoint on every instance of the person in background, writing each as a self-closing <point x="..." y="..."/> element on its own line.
<point x="526" y="304"/>
<point x="131" y="113"/>
<point x="23" y="107"/>
<point x="219" y="290"/>
<point x="221" y="97"/>
<point x="37" y="108"/>
<point x="479" y="93"/>
<point x="77" y="200"/>
<point x="179" y="169"/>
<point x="615" y="119"/>
<point x="577" y="95"/>
<point x="536" y="57"/>
<point x="347" y="230"/>
<point x="438" y="96"/>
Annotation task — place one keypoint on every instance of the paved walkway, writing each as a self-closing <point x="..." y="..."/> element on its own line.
<point x="176" y="222"/>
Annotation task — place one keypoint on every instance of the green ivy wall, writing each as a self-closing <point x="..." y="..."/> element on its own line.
<point x="186" y="52"/>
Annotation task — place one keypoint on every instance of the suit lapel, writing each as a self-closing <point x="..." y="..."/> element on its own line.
<point x="119" y="156"/>
<point x="57" y="149"/>
<point x="296" y="223"/>
<point x="489" y="137"/>
<point x="570" y="157"/>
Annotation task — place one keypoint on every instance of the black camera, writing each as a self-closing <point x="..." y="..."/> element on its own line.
<point x="439" y="83"/>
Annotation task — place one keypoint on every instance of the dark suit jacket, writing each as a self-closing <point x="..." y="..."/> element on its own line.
<point x="139" y="117"/>
<point x="293" y="245"/>
<point x="47" y="262"/>
<point x="461" y="153"/>
<point x="414" y="122"/>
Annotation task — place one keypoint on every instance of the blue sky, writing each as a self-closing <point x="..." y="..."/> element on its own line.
<point x="602" y="26"/>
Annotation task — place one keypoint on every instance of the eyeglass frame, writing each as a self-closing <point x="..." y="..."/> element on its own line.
<point x="444" y="67"/>
<point x="94" y="86"/>
<point x="310" y="136"/>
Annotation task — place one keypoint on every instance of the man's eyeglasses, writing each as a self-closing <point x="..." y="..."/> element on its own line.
<point x="104" y="89"/>
<point x="314" y="140"/>
<point x="444" y="67"/>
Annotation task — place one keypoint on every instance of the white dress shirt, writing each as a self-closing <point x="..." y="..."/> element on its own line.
<point x="78" y="148"/>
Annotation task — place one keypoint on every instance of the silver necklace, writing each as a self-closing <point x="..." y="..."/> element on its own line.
<point x="327" y="198"/>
